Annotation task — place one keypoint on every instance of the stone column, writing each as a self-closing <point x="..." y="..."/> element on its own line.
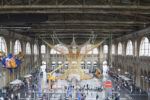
<point x="85" y="62"/>
<point x="101" y="57"/>
<point x="47" y="58"/>
<point x="8" y="77"/>
<point x="109" y="56"/>
<point x="40" y="55"/>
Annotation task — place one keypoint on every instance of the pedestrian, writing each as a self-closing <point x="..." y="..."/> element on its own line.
<point x="140" y="91"/>
<point x="5" y="98"/>
<point x="18" y="95"/>
<point x="32" y="86"/>
<point x="131" y="89"/>
<point x="12" y="96"/>
<point x="87" y="86"/>
<point x="118" y="97"/>
<point x="149" y="95"/>
<point x="27" y="92"/>
<point x="44" y="97"/>
<point x="1" y="98"/>
<point x="97" y="97"/>
<point x="84" y="96"/>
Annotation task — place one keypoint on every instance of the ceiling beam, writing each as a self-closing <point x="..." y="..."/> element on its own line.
<point x="81" y="27"/>
<point x="12" y="27"/>
<point x="138" y="7"/>
<point x="66" y="11"/>
<point x="94" y="22"/>
<point x="80" y="30"/>
<point x="54" y="11"/>
<point x="79" y="24"/>
<point x="92" y="9"/>
<point x="78" y="37"/>
<point x="65" y="34"/>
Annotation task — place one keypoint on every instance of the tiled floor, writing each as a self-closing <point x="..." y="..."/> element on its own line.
<point x="62" y="94"/>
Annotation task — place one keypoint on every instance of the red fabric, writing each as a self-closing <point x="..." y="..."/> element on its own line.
<point x="108" y="84"/>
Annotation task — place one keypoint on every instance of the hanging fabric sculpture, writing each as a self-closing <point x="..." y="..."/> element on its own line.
<point x="11" y="62"/>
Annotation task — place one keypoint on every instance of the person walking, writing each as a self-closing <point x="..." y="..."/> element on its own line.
<point x="97" y="97"/>
<point x="1" y="98"/>
<point x="149" y="94"/>
<point x="12" y="96"/>
<point x="87" y="86"/>
<point x="84" y="96"/>
<point x="18" y="95"/>
<point x="118" y="96"/>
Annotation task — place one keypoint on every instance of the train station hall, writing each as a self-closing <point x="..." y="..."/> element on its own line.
<point x="74" y="49"/>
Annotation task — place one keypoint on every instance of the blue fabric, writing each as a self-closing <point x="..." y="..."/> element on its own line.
<point x="18" y="62"/>
<point x="39" y="88"/>
<point x="79" y="96"/>
<point x="69" y="91"/>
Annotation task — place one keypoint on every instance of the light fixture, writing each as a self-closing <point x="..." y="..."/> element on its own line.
<point x="118" y="70"/>
<point x="126" y="73"/>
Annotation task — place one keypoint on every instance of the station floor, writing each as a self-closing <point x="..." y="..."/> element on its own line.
<point x="62" y="94"/>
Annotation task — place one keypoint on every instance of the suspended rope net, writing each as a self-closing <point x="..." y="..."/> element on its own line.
<point x="74" y="58"/>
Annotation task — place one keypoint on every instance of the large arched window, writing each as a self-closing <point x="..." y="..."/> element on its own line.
<point x="119" y="49"/>
<point x="17" y="47"/>
<point x="54" y="52"/>
<point x="43" y="49"/>
<point x="113" y="49"/>
<point x="129" y="49"/>
<point x="144" y="47"/>
<point x="94" y="51"/>
<point x="28" y="48"/>
<point x="61" y="48"/>
<point x="3" y="46"/>
<point x="35" y="49"/>
<point x="88" y="47"/>
<point x="105" y="49"/>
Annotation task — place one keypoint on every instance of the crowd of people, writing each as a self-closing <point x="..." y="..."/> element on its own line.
<point x="11" y="94"/>
<point x="122" y="84"/>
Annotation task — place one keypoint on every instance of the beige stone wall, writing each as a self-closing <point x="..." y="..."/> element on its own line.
<point x="28" y="62"/>
<point x="137" y="66"/>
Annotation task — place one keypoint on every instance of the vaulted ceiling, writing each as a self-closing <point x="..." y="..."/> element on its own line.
<point x="74" y="17"/>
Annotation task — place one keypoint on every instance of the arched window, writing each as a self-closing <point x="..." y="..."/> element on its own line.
<point x="35" y="49"/>
<point x="28" y="48"/>
<point x="17" y="47"/>
<point x="105" y="49"/>
<point x="119" y="49"/>
<point x="129" y="49"/>
<point x="113" y="49"/>
<point x="88" y="47"/>
<point x="88" y="64"/>
<point x="53" y="65"/>
<point x="59" y="63"/>
<point x="43" y="49"/>
<point x="144" y="47"/>
<point x="54" y="52"/>
<point x="3" y="46"/>
<point x="61" y="48"/>
<point x="94" y="51"/>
